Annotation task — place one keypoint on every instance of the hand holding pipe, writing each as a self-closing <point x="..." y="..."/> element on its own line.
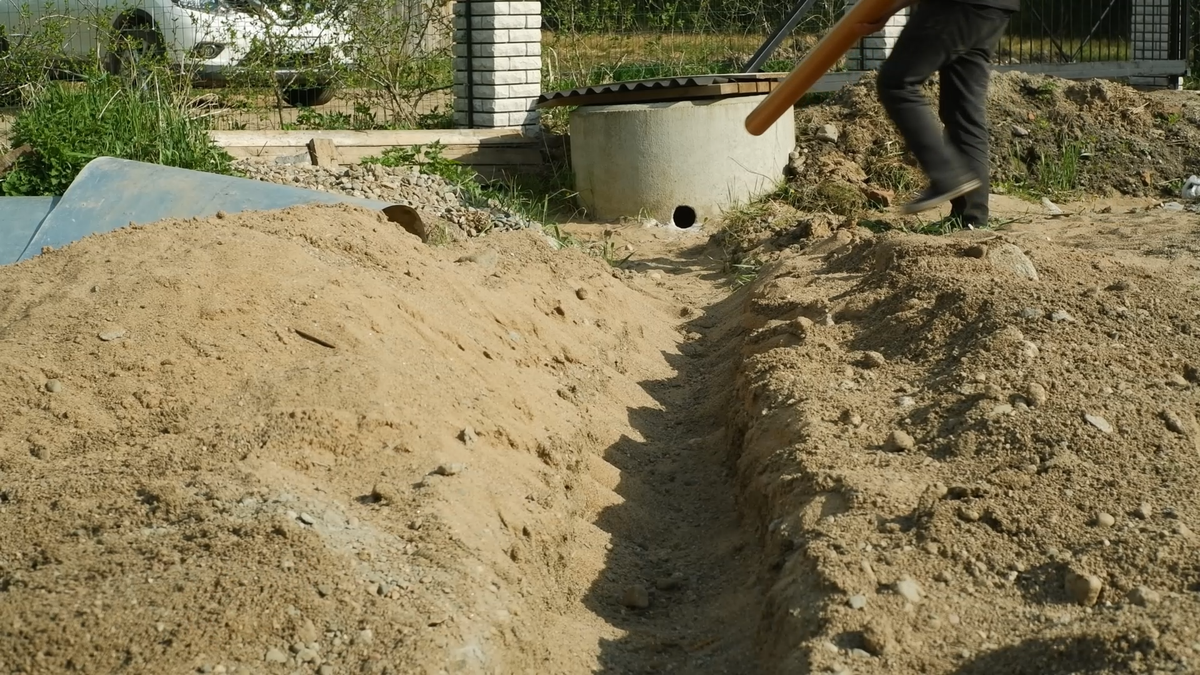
<point x="864" y="18"/>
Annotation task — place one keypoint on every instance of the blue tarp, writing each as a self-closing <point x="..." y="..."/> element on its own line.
<point x="20" y="218"/>
<point x="111" y="193"/>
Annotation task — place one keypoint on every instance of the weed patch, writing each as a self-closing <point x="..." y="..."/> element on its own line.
<point x="69" y="126"/>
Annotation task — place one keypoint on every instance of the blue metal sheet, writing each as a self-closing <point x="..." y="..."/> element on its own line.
<point x="20" y="218"/>
<point x="111" y="193"/>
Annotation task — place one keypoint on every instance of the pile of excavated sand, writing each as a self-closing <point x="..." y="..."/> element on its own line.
<point x="432" y="195"/>
<point x="1096" y="137"/>
<point x="970" y="456"/>
<point x="302" y="441"/>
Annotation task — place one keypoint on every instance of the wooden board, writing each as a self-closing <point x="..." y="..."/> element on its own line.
<point x="833" y="46"/>
<point x="470" y="155"/>
<point x="346" y="139"/>
<point x="481" y="149"/>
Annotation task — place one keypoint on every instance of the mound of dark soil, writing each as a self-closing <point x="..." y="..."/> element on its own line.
<point x="1050" y="137"/>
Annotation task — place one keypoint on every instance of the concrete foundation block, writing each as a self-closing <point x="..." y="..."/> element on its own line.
<point x="681" y="162"/>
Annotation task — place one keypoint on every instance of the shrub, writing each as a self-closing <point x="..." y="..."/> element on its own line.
<point x="69" y="125"/>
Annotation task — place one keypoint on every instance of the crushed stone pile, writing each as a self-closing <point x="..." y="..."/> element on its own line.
<point x="302" y="441"/>
<point x="974" y="454"/>
<point x="1049" y="136"/>
<point x="432" y="195"/>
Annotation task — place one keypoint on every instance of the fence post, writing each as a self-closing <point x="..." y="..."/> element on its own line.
<point x="497" y="64"/>
<point x="874" y="49"/>
<point x="1150" y="37"/>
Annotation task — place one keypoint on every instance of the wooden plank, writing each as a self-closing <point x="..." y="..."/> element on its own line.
<point x="516" y="156"/>
<point x="350" y="139"/>
<point x="10" y="158"/>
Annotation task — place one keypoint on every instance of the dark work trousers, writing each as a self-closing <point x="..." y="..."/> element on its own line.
<point x="956" y="40"/>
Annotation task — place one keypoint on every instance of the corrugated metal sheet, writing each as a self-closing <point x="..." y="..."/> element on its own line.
<point x="663" y="84"/>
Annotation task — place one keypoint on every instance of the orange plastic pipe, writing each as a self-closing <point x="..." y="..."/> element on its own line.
<point x="840" y="38"/>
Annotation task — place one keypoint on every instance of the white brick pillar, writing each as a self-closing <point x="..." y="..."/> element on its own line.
<point x="1150" y="37"/>
<point x="498" y="82"/>
<point x="873" y="49"/>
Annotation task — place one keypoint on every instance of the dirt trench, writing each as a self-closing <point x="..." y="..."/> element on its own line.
<point x="679" y="534"/>
<point x="302" y="442"/>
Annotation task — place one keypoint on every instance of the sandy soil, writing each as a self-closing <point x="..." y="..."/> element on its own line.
<point x="978" y="453"/>
<point x="303" y="442"/>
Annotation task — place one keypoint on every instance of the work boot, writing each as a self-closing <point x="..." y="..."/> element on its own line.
<point x="932" y="197"/>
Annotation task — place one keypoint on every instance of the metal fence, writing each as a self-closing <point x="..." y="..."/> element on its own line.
<point x="594" y="41"/>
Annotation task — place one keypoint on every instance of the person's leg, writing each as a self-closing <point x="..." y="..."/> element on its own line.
<point x="928" y="42"/>
<point x="963" y="110"/>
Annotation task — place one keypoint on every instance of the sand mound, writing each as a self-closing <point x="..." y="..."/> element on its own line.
<point x="966" y="469"/>
<point x="1049" y="136"/>
<point x="304" y="441"/>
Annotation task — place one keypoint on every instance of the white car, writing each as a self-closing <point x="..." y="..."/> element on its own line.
<point x="301" y="47"/>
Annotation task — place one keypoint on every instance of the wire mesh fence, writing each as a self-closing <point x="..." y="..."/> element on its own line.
<point x="1057" y="31"/>
<point x="589" y="42"/>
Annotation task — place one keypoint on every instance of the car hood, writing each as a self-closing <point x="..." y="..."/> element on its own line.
<point x="288" y="12"/>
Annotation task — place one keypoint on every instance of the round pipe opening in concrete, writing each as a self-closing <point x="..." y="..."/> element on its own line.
<point x="683" y="217"/>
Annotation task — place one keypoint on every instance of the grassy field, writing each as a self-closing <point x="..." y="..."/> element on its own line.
<point x="580" y="60"/>
<point x="575" y="60"/>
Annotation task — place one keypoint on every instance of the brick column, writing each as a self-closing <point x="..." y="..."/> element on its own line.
<point x="498" y="82"/>
<point x="1150" y="37"/>
<point x="873" y="49"/>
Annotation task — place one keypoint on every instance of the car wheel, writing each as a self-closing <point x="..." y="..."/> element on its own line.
<point x="138" y="48"/>
<point x="308" y="97"/>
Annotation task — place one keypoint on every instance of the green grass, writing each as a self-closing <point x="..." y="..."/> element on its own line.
<point x="1051" y="175"/>
<point x="68" y="126"/>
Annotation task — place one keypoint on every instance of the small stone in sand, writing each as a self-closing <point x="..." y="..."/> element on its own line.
<point x="899" y="441"/>
<point x="1144" y="597"/>
<point x="450" y="469"/>
<point x="635" y="597"/>
<point x="1098" y="422"/>
<point x="909" y="589"/>
<point x="874" y="360"/>
<point x="1083" y="589"/>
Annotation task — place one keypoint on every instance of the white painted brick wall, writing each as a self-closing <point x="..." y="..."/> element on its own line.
<point x="873" y="50"/>
<point x="504" y="63"/>
<point x="499" y="36"/>
<point x="499" y="8"/>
